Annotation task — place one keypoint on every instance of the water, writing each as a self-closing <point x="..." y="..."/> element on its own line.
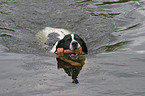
<point x="113" y="30"/>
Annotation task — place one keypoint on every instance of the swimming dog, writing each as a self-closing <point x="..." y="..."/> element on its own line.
<point x="54" y="38"/>
<point x="72" y="42"/>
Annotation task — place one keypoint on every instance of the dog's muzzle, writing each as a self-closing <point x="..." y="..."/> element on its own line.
<point x="73" y="54"/>
<point x="75" y="45"/>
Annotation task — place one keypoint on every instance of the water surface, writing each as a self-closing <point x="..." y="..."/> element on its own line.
<point x="113" y="31"/>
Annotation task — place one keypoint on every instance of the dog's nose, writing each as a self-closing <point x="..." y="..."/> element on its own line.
<point x="74" y="45"/>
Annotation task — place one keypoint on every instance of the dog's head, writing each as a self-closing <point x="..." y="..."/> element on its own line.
<point x="72" y="42"/>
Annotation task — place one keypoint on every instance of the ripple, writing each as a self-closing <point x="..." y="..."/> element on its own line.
<point x="5" y="35"/>
<point x="114" y="2"/>
<point x="4" y="28"/>
<point x="131" y="27"/>
<point x="113" y="47"/>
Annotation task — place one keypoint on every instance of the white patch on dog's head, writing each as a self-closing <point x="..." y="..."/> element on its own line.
<point x="74" y="41"/>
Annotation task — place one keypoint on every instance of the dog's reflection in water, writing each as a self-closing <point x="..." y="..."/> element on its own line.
<point x="71" y="66"/>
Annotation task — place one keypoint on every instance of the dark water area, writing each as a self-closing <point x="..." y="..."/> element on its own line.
<point x="114" y="33"/>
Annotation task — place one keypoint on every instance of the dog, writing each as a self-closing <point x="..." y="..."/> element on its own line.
<point x="54" y="38"/>
<point x="72" y="42"/>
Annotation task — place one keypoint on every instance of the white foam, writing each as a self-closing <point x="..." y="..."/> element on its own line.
<point x="141" y="52"/>
<point x="42" y="36"/>
<point x="61" y="32"/>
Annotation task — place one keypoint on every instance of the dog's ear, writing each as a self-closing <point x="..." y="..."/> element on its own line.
<point x="60" y="44"/>
<point x="84" y="46"/>
<point x="63" y="44"/>
<point x="82" y="43"/>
